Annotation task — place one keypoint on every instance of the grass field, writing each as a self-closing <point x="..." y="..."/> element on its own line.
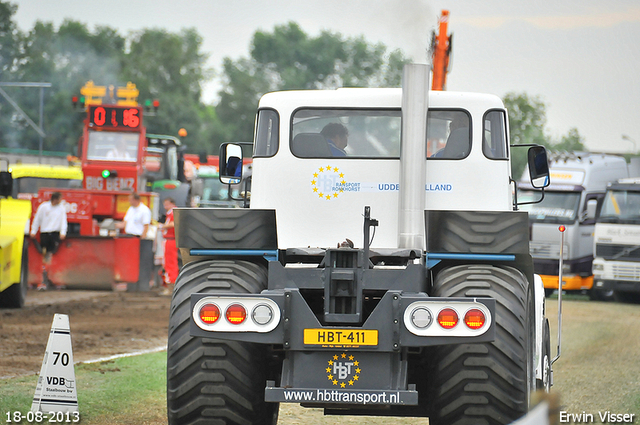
<point x="128" y="390"/>
<point x="599" y="370"/>
<point x="599" y="367"/>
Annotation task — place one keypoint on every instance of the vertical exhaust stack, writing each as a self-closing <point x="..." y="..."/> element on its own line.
<point x="413" y="164"/>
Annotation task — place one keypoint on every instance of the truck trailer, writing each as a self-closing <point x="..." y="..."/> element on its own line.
<point x="379" y="282"/>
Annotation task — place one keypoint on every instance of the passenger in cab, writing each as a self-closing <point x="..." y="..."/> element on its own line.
<point x="458" y="143"/>
<point x="337" y="137"/>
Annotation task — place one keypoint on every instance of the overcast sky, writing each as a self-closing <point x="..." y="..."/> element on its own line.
<point x="581" y="57"/>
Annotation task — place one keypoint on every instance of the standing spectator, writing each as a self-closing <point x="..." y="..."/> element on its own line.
<point x="137" y="219"/>
<point x="51" y="219"/>
<point x="170" y="259"/>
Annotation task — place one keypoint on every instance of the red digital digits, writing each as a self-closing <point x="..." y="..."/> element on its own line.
<point x="99" y="116"/>
<point x="130" y="118"/>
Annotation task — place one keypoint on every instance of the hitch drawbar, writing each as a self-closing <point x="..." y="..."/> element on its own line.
<point x="399" y="320"/>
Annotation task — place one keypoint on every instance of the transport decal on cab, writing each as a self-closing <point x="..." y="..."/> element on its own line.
<point x="330" y="182"/>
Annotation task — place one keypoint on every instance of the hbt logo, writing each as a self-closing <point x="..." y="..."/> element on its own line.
<point x="343" y="370"/>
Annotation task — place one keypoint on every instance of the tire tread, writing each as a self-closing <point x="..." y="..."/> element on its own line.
<point x="483" y="383"/>
<point x="209" y="380"/>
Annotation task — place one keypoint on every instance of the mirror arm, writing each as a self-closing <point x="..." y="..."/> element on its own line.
<point x="534" y="202"/>
<point x="244" y="198"/>
<point x="532" y="145"/>
<point x="229" y="195"/>
<point x="246" y="187"/>
<point x="515" y="193"/>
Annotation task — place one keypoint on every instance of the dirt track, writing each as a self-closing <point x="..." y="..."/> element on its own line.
<point x="598" y="370"/>
<point x="102" y="324"/>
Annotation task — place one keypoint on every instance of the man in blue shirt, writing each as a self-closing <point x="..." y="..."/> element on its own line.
<point x="337" y="137"/>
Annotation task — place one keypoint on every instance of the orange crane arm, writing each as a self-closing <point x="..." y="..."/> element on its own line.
<point x="441" y="49"/>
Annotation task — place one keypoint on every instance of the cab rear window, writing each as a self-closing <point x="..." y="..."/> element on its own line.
<point x="356" y="133"/>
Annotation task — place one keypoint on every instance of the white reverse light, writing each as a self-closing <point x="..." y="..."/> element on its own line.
<point x="262" y="314"/>
<point x="421" y="317"/>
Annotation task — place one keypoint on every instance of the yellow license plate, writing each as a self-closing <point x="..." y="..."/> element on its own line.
<point x="340" y="337"/>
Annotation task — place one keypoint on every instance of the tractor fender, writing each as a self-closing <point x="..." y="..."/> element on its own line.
<point x="539" y="298"/>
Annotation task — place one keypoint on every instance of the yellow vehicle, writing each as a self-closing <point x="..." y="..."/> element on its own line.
<point x="29" y="178"/>
<point x="14" y="219"/>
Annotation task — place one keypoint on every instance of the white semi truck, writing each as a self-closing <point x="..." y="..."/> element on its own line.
<point x="616" y="266"/>
<point x="376" y="281"/>
<point x="578" y="184"/>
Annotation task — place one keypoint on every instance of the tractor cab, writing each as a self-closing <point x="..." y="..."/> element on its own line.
<point x="163" y="169"/>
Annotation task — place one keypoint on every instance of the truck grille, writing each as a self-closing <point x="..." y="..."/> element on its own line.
<point x="548" y="250"/>
<point x="618" y="252"/>
<point x="629" y="271"/>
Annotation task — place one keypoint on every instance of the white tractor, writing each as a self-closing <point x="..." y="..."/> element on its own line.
<point x="388" y="276"/>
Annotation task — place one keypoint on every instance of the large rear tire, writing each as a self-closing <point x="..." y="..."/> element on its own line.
<point x="486" y="383"/>
<point x="16" y="295"/>
<point x="209" y="380"/>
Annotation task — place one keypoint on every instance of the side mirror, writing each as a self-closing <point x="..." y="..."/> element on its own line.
<point x="538" y="167"/>
<point x="592" y="205"/>
<point x="230" y="163"/>
<point x="6" y="184"/>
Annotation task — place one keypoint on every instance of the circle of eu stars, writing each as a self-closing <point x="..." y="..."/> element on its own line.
<point x="326" y="170"/>
<point x="347" y="382"/>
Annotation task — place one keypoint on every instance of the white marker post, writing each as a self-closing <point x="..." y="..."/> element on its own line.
<point x="56" y="388"/>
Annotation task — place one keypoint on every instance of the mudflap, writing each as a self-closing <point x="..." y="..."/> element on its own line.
<point x="343" y="377"/>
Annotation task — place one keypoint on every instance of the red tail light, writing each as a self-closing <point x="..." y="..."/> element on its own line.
<point x="448" y="318"/>
<point x="209" y="313"/>
<point x="236" y="314"/>
<point x="474" y="319"/>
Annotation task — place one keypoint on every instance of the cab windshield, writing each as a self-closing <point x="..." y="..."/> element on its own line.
<point x="620" y="206"/>
<point x="161" y="162"/>
<point x="556" y="207"/>
<point x="216" y="194"/>
<point x="113" y="146"/>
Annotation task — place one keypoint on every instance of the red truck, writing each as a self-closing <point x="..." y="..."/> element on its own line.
<point x="116" y="159"/>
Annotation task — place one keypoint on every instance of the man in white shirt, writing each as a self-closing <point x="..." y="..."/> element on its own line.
<point x="51" y="219"/>
<point x="138" y="217"/>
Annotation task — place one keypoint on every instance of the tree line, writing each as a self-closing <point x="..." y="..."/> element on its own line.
<point x="173" y="68"/>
